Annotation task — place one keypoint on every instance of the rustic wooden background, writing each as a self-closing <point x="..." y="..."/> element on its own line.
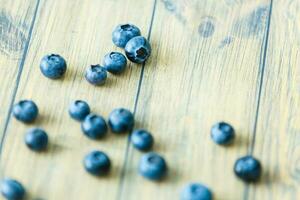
<point x="232" y="60"/>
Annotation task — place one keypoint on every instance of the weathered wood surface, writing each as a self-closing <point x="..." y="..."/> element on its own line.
<point x="212" y="60"/>
<point x="16" y="20"/>
<point x="205" y="68"/>
<point x="277" y="141"/>
<point x="81" y="32"/>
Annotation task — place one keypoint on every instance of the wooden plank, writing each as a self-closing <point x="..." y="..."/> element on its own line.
<point x="15" y="22"/>
<point x="277" y="142"/>
<point x="204" y="68"/>
<point x="81" y="32"/>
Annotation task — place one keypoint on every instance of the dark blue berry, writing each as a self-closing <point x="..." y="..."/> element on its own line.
<point x="248" y="169"/>
<point x="25" y="111"/>
<point x="115" y="62"/>
<point x="12" y="189"/>
<point x="123" y="33"/>
<point x="138" y="49"/>
<point x="142" y="139"/>
<point x="222" y="133"/>
<point x="94" y="126"/>
<point x="152" y="166"/>
<point x="121" y="120"/>
<point x="36" y="139"/>
<point x="196" y="191"/>
<point x="53" y="66"/>
<point x="97" y="163"/>
<point x="96" y="75"/>
<point x="79" y="110"/>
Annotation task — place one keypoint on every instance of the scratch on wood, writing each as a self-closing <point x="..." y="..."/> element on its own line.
<point x="12" y="39"/>
<point x="295" y="165"/>
<point x="253" y="23"/>
<point x="207" y="27"/>
<point x="226" y="41"/>
<point x="171" y="7"/>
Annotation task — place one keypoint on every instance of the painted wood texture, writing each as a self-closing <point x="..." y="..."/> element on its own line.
<point x="81" y="32"/>
<point x="277" y="139"/>
<point x="16" y="19"/>
<point x="205" y="68"/>
<point x="228" y="60"/>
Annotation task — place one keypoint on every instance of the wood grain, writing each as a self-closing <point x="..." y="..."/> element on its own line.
<point x="277" y="142"/>
<point x="81" y="32"/>
<point x="205" y="68"/>
<point x="15" y="22"/>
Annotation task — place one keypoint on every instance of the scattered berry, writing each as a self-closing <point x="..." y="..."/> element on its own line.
<point x="123" y="33"/>
<point x="94" y="126"/>
<point x="97" y="163"/>
<point x="96" y="75"/>
<point x="121" y="120"/>
<point x="222" y="133"/>
<point x="53" y="66"/>
<point x="138" y="49"/>
<point x="79" y="109"/>
<point x="152" y="166"/>
<point x="36" y="139"/>
<point x="142" y="139"/>
<point x="248" y="169"/>
<point x="196" y="191"/>
<point x="12" y="189"/>
<point x="115" y="62"/>
<point x="25" y="111"/>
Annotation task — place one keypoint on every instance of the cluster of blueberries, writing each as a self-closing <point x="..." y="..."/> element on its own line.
<point x="152" y="165"/>
<point x="127" y="36"/>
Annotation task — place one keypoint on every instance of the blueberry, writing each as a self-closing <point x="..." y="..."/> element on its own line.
<point x="138" y="49"/>
<point x="142" y="139"/>
<point x="97" y="163"/>
<point x="196" y="191"/>
<point x="222" y="133"/>
<point x="123" y="33"/>
<point x="115" y="62"/>
<point x="96" y="75"/>
<point x="152" y="166"/>
<point x="121" y="120"/>
<point x="248" y="169"/>
<point x="12" y="189"/>
<point x="36" y="139"/>
<point x="53" y="66"/>
<point x="79" y="110"/>
<point x="25" y="111"/>
<point x="94" y="126"/>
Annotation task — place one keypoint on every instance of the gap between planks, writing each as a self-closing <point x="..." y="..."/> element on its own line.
<point x="262" y="66"/>
<point x="20" y="70"/>
<point x="123" y="170"/>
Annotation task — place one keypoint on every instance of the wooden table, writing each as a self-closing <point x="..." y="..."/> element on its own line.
<point x="231" y="60"/>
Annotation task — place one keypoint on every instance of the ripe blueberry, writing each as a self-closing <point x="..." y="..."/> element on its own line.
<point x="152" y="166"/>
<point x="96" y="75"/>
<point x="222" y="133"/>
<point x="79" y="110"/>
<point x="12" y="189"/>
<point x="248" y="169"/>
<point x="123" y="33"/>
<point x="94" y="126"/>
<point x="121" y="120"/>
<point x="142" y="139"/>
<point x="97" y="163"/>
<point x="53" y="66"/>
<point x="138" y="49"/>
<point x="25" y="111"/>
<point x="115" y="62"/>
<point x="36" y="139"/>
<point x="196" y="191"/>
